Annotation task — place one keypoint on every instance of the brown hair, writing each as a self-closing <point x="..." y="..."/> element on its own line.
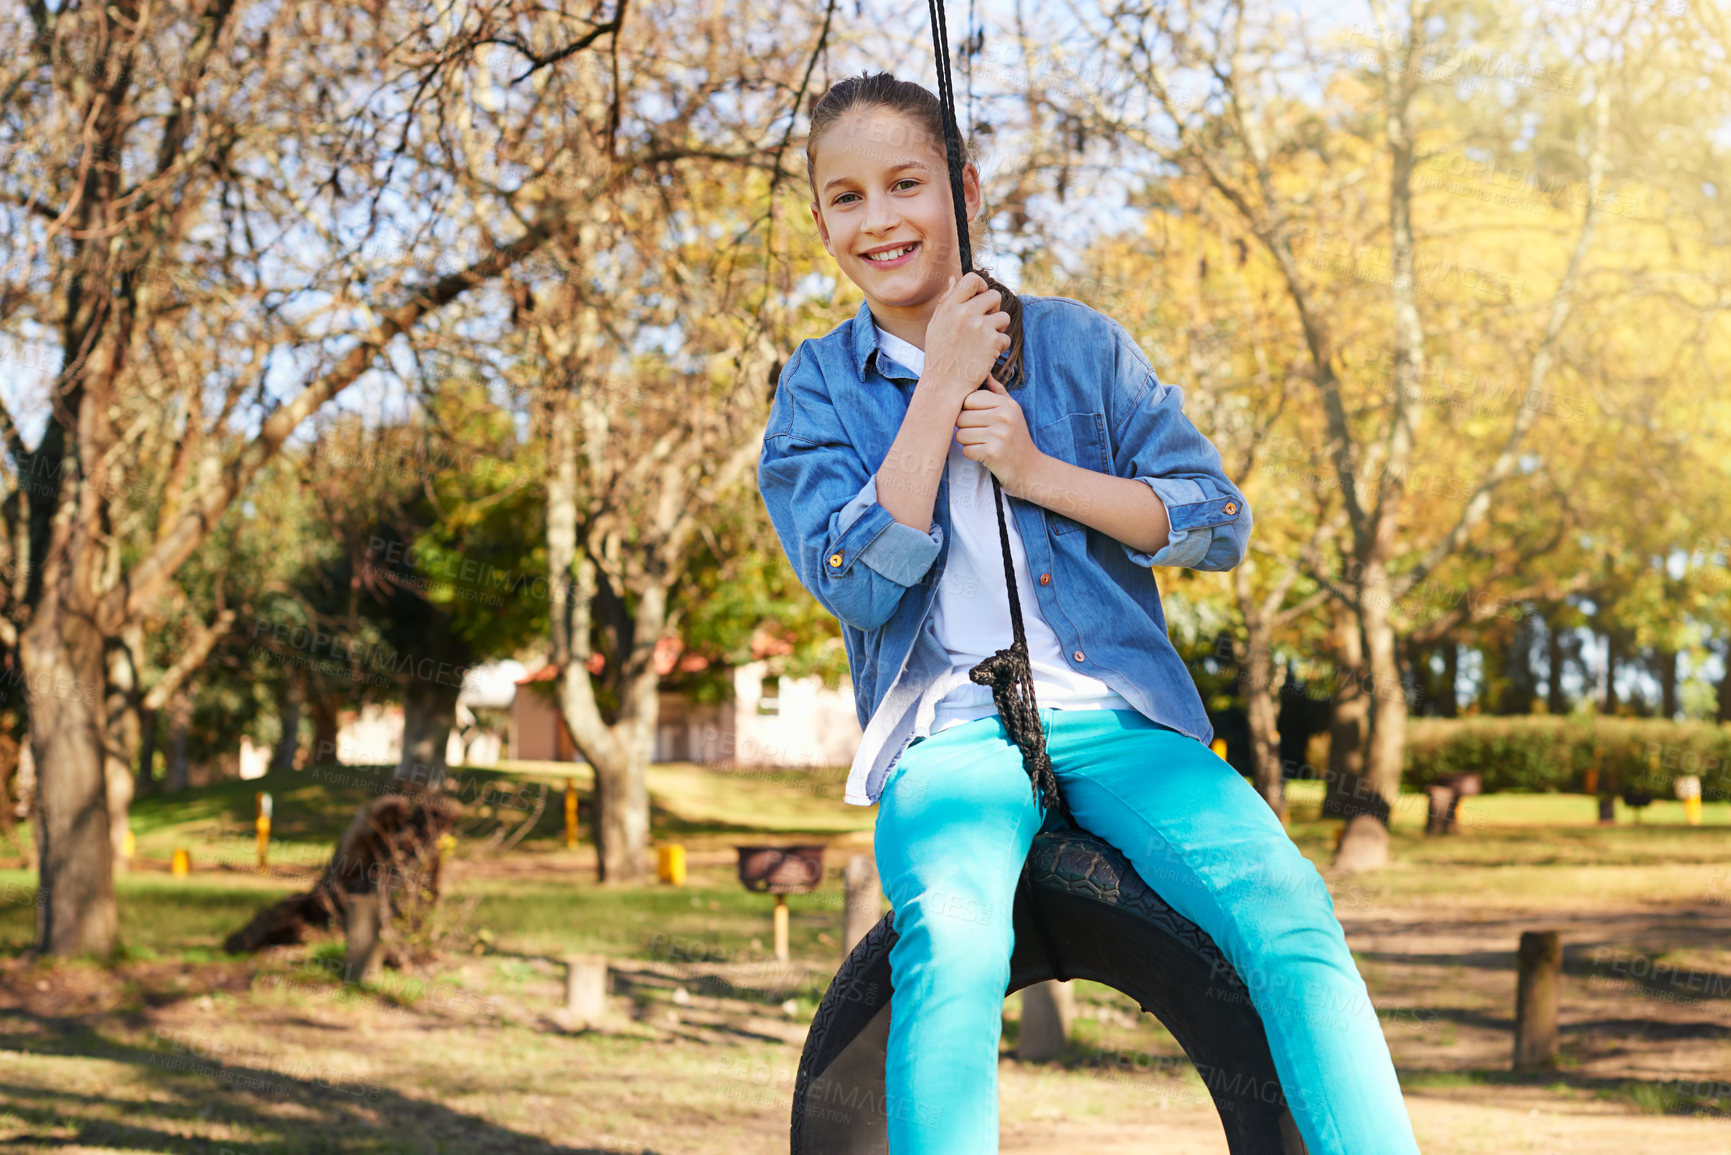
<point x="881" y="90"/>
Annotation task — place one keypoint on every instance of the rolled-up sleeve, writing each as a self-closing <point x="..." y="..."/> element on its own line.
<point x="1154" y="442"/>
<point x="899" y="552"/>
<point x="845" y="547"/>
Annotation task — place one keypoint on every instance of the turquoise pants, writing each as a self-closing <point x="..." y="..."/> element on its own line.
<point x="955" y="821"/>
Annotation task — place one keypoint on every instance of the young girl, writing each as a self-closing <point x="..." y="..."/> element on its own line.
<point x="876" y="470"/>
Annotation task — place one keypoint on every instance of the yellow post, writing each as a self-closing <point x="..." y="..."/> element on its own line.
<point x="781" y="928"/>
<point x="670" y="863"/>
<point x="182" y="864"/>
<point x="570" y="814"/>
<point x="263" y="824"/>
<point x="1688" y="789"/>
<point x="129" y="844"/>
<point x="1219" y="748"/>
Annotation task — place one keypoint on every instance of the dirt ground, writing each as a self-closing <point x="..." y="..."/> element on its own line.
<point x="269" y="1055"/>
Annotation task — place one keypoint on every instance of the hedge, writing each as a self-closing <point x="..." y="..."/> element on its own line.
<point x="1553" y="754"/>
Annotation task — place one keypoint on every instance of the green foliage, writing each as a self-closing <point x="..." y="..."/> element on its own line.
<point x="1554" y="754"/>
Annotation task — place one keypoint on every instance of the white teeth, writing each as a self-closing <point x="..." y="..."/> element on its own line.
<point x="891" y="255"/>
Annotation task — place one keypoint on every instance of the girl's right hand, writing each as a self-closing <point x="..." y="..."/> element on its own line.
<point x="965" y="337"/>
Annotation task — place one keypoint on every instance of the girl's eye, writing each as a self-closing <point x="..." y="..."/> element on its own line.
<point x="841" y="198"/>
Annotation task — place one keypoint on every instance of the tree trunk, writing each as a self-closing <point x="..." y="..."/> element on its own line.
<point x="1262" y="718"/>
<point x="1348" y="720"/>
<point x="121" y="740"/>
<point x="1667" y="662"/>
<point x="290" y="699"/>
<point x="429" y="712"/>
<point x="1448" y="699"/>
<point x="618" y="752"/>
<point x="1556" y="701"/>
<point x="1351" y="789"/>
<point x="179" y="722"/>
<point x="1300" y="717"/>
<point x="10" y="764"/>
<point x="1520" y="684"/>
<point x="325" y="729"/>
<point x="63" y="662"/>
<point x="1724" y="714"/>
<point x="1608" y="706"/>
<point x="145" y="783"/>
<point x="1364" y="845"/>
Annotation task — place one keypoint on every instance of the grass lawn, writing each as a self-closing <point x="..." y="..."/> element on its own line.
<point x="175" y="1046"/>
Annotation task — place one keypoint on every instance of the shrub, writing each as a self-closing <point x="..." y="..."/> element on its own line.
<point x="1553" y="754"/>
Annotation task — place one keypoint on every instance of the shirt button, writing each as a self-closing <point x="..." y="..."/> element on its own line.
<point x="1077" y="655"/>
<point x="1045" y="579"/>
<point x="1231" y="507"/>
<point x="835" y="559"/>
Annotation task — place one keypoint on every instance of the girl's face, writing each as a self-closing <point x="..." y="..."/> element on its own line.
<point x="884" y="211"/>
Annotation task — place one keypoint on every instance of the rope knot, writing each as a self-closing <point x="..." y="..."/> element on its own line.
<point x="1011" y="676"/>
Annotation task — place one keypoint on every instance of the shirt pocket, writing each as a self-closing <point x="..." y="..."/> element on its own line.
<point x="1080" y="439"/>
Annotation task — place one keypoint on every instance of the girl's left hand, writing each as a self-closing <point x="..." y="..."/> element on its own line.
<point x="993" y="432"/>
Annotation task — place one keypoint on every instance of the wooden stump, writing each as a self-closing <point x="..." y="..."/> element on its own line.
<point x="1540" y="975"/>
<point x="861" y="912"/>
<point x="1607" y="811"/>
<point x="1442" y="808"/>
<point x="586" y="988"/>
<point x="1047" y="1009"/>
<point x="363" y="923"/>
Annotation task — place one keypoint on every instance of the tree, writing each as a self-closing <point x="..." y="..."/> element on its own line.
<point x="1294" y="173"/>
<point x="204" y="191"/>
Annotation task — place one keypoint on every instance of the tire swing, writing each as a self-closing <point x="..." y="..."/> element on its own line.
<point x="1075" y="888"/>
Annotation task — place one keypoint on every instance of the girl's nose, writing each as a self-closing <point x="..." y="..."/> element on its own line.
<point x="881" y="215"/>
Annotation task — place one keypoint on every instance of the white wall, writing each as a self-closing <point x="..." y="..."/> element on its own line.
<point x="812" y="726"/>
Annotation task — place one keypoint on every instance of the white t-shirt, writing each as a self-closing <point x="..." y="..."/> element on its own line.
<point x="971" y="617"/>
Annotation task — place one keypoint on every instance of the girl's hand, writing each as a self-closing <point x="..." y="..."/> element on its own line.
<point x="965" y="337"/>
<point x="993" y="432"/>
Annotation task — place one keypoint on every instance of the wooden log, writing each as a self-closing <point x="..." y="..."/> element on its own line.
<point x="363" y="921"/>
<point x="861" y="912"/>
<point x="1540" y="970"/>
<point x="586" y="988"/>
<point x="1047" y="1011"/>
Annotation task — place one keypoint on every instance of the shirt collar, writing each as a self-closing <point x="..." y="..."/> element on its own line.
<point x="865" y="347"/>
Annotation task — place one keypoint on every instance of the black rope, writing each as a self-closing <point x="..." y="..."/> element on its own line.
<point x="1009" y="671"/>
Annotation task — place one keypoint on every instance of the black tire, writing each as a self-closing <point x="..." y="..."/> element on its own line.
<point x="1109" y="927"/>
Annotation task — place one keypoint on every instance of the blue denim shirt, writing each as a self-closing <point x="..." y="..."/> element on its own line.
<point x="1090" y="398"/>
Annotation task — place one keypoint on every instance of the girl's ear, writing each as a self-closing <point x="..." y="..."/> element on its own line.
<point x="971" y="196"/>
<point x="822" y="229"/>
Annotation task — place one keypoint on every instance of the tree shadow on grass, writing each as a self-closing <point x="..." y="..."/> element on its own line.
<point x="1677" y="1096"/>
<point x="289" y="1112"/>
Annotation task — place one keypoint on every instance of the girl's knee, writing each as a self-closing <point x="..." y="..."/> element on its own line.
<point x="956" y="935"/>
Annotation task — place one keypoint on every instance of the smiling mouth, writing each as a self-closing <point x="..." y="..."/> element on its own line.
<point x="889" y="256"/>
